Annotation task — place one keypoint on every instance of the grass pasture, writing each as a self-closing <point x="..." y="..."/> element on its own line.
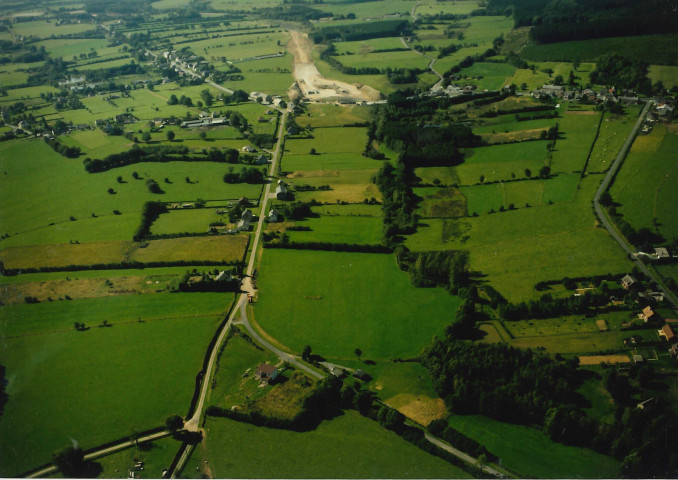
<point x="654" y="49"/>
<point x="340" y="229"/>
<point x="518" y="248"/>
<point x="383" y="60"/>
<point x="54" y="188"/>
<point x="227" y="248"/>
<point x="614" y="130"/>
<point x="650" y="167"/>
<point x="332" y="312"/>
<point x="157" y="456"/>
<point x="489" y="76"/>
<point x="530" y="453"/>
<point x="331" y="115"/>
<point x="351" y="186"/>
<point x="334" y="447"/>
<point x="575" y="138"/>
<point x="502" y="162"/>
<point x="49" y="404"/>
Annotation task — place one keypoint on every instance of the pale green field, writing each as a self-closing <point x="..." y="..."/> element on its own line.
<point x="45" y="29"/>
<point x="576" y="134"/>
<point x="457" y="8"/>
<point x="368" y="9"/>
<point x="382" y="60"/>
<point x="367" y="46"/>
<point x="66" y="48"/>
<point x="519" y="248"/>
<point x="668" y="75"/>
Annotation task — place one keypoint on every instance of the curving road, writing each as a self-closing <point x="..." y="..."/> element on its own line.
<point x="459" y="454"/>
<point x="104" y="451"/>
<point x="606" y="222"/>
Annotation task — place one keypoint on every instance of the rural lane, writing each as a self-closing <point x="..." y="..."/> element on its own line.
<point x="104" y="451"/>
<point x="459" y="454"/>
<point x="605" y="221"/>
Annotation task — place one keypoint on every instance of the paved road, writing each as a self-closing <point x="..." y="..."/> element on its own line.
<point x="438" y="84"/>
<point x="606" y="222"/>
<point x="283" y="356"/>
<point x="104" y="451"/>
<point x="459" y="454"/>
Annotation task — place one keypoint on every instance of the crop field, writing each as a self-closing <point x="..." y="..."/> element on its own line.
<point x="613" y="133"/>
<point x="42" y="29"/>
<point x="227" y="248"/>
<point x="651" y="167"/>
<point x="35" y="173"/>
<point x="445" y="202"/>
<point x="49" y="404"/>
<point x="95" y="274"/>
<point x="332" y="313"/>
<point x="530" y="453"/>
<point x="490" y="76"/>
<point x="456" y="8"/>
<point x="365" y="10"/>
<point x="538" y="77"/>
<point x="382" y="60"/>
<point x="501" y="162"/>
<point x="329" y="140"/>
<point x="352" y="186"/>
<point x="270" y="75"/>
<point x="363" y="47"/>
<point x="330" y="115"/>
<point x="516" y="249"/>
<point x="332" y="450"/>
<point x="655" y="49"/>
<point x="339" y="229"/>
<point x="668" y="75"/>
<point x="192" y="221"/>
<point x="576" y="134"/>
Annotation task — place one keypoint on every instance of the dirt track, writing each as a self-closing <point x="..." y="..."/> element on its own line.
<point x="312" y="84"/>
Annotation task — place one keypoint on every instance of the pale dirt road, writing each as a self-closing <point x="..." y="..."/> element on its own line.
<point x="312" y="84"/>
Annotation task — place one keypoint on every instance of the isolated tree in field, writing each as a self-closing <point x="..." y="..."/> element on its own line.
<point x="207" y="97"/>
<point x="153" y="186"/>
<point x="135" y="175"/>
<point x="174" y="423"/>
<point x="528" y="172"/>
<point x="358" y="352"/>
<point x="170" y="135"/>
<point x="306" y="353"/>
<point x="313" y="152"/>
<point x="544" y="171"/>
<point x="70" y="461"/>
<point x="558" y="80"/>
<point x="200" y="203"/>
<point x="482" y="178"/>
<point x="173" y="100"/>
<point x="119" y="179"/>
<point x="146" y="137"/>
<point x="203" y="135"/>
<point x="111" y="191"/>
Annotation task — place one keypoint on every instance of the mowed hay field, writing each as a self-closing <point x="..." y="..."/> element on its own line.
<point x="519" y="248"/>
<point x="333" y="450"/>
<point x="97" y="385"/>
<point x="646" y="183"/>
<point x="337" y="302"/>
<point x="222" y="248"/>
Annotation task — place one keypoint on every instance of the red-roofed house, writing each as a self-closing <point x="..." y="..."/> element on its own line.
<point x="667" y="332"/>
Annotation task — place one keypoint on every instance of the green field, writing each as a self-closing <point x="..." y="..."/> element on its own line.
<point x="364" y="47"/>
<point x="668" y="75"/>
<point x="53" y="188"/>
<point x="333" y="450"/>
<point x="131" y="368"/>
<point x="333" y="311"/>
<point x="576" y="134"/>
<point x="489" y="76"/>
<point x="365" y="10"/>
<point x="613" y="133"/>
<point x="536" y="78"/>
<point x="656" y="49"/>
<point x="157" y="456"/>
<point x="383" y="60"/>
<point x="330" y="115"/>
<point x="502" y="162"/>
<point x="516" y="249"/>
<point x="650" y="167"/>
<point x="340" y="229"/>
<point x="530" y="453"/>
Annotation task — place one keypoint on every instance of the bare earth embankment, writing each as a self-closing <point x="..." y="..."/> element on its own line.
<point x="312" y="84"/>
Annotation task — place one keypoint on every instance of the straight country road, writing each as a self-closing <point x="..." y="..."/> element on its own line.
<point x="602" y="216"/>
<point x="459" y="454"/>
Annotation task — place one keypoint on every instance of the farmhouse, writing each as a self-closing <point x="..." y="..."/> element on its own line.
<point x="661" y="252"/>
<point x="266" y="373"/>
<point x="224" y="277"/>
<point x="248" y="149"/>
<point x="244" y="222"/>
<point x="361" y="375"/>
<point x="272" y="216"/>
<point x="627" y="281"/>
<point x="673" y="351"/>
<point x="668" y="334"/>
<point x="261" y="160"/>
<point x="281" y="192"/>
<point x="647" y="314"/>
